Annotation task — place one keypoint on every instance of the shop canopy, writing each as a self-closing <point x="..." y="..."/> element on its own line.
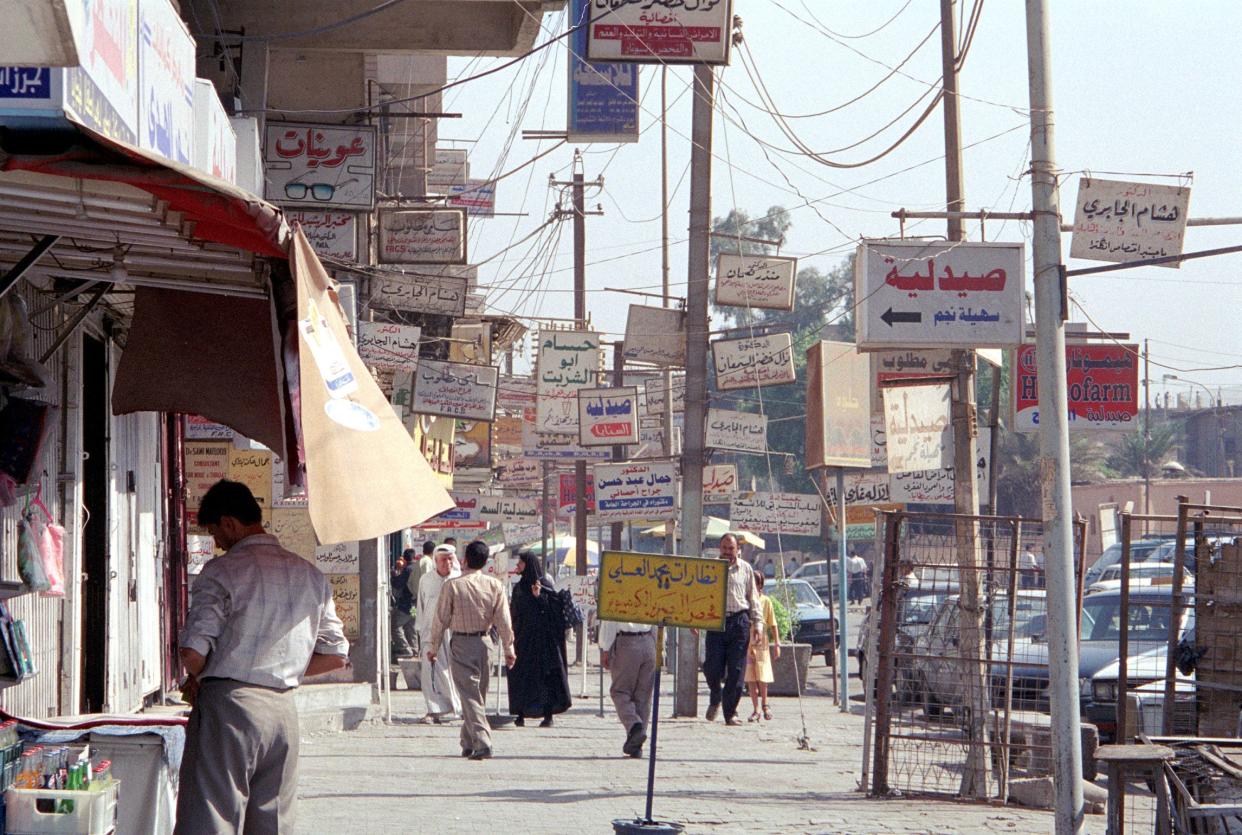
<point x="713" y="528"/>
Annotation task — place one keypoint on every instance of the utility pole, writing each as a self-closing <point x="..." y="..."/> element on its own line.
<point x="1146" y="432"/>
<point x="685" y="698"/>
<point x="976" y="774"/>
<point x="1050" y="292"/>
<point x="618" y="452"/>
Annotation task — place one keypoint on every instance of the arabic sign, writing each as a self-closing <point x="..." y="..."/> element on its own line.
<point x="477" y="197"/>
<point x="738" y="431"/>
<point x="567" y="361"/>
<point x="915" y="293"/>
<point x="719" y="482"/>
<point x="936" y="486"/>
<point x="755" y="281"/>
<point x="918" y="428"/>
<point x="608" y="416"/>
<point x="516" y="393"/>
<point x="420" y="293"/>
<point x="205" y="464"/>
<point x="450" y="167"/>
<point x="654" y="390"/>
<point x="509" y="509"/>
<point x="346" y="599"/>
<point x="388" y="346"/>
<point x="898" y="366"/>
<point x="514" y="472"/>
<point x="215" y="141"/>
<point x="656" y="335"/>
<point x="1117" y="221"/>
<point x="635" y="490"/>
<point x="753" y="361"/>
<point x="1102" y="387"/>
<point x="861" y="488"/>
<point x="422" y="236"/>
<point x="455" y="389"/>
<point x="582" y="590"/>
<point x="545" y="446"/>
<point x="567" y="495"/>
<point x="102" y="92"/>
<point x="464" y="516"/>
<point x="319" y="166"/>
<point x="793" y="514"/>
<point x="338" y="558"/>
<point x="472" y="447"/>
<point x="331" y="234"/>
<point x="166" y="75"/>
<point x="285" y="495"/>
<point x="838" y="401"/>
<point x="603" y="97"/>
<point x="660" y="31"/>
<point x="200" y="428"/>
<point x="662" y="589"/>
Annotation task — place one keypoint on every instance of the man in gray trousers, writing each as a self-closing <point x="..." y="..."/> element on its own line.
<point x="628" y="652"/>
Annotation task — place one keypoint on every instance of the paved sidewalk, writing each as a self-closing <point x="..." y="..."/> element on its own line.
<point x="572" y="777"/>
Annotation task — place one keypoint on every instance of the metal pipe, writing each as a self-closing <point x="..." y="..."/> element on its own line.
<point x="1123" y="645"/>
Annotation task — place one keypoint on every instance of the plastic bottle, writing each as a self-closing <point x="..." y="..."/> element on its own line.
<point x="26" y="773"/>
<point x="102" y="776"/>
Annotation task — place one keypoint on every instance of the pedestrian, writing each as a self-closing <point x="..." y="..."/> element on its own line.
<point x="470" y="606"/>
<point x="422" y="566"/>
<point x="857" y="568"/>
<point x="260" y="620"/>
<point x="764" y="646"/>
<point x="628" y="652"/>
<point x="1028" y="564"/>
<point x="539" y="681"/>
<point x="437" y="678"/>
<point x="402" y="612"/>
<point x="725" y="659"/>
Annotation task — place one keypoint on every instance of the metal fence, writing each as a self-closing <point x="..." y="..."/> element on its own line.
<point x="959" y="695"/>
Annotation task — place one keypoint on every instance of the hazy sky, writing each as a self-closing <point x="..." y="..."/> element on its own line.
<point x="1141" y="88"/>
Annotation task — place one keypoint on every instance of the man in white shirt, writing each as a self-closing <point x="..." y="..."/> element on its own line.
<point x="725" y="662"/>
<point x="628" y="652"/>
<point x="857" y="568"/>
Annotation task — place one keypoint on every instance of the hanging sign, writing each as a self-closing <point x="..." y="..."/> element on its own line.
<point x="737" y="431"/>
<point x="918" y="428"/>
<point x="1118" y="221"/>
<point x="603" y="97"/>
<point x="861" y="488"/>
<point x="319" y="166"/>
<point x="719" y="482"/>
<point x="454" y="389"/>
<point x="765" y="281"/>
<point x="509" y="509"/>
<point x="516" y="393"/>
<point x="567" y="361"/>
<point x="654" y="393"/>
<point x="608" y="416"/>
<point x="420" y="293"/>
<point x="331" y="234"/>
<point x="793" y="514"/>
<point x="695" y="32"/>
<point x="1102" y="387"/>
<point x="656" y="335"/>
<point x="422" y="236"/>
<point x="388" y="346"/>
<point x="662" y="589"/>
<point x="545" y="446"/>
<point x="465" y="515"/>
<point x="517" y="472"/>
<point x="753" y="361"/>
<point x="449" y="167"/>
<point x="838" y="406"/>
<point x="567" y="493"/>
<point x="477" y="197"/>
<point x="889" y="367"/>
<point x="636" y="491"/>
<point x="915" y="293"/>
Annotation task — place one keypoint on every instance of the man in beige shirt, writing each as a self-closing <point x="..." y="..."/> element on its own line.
<point x="470" y="606"/>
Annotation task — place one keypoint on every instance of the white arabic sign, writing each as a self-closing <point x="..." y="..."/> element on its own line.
<point x="654" y="390"/>
<point x="1118" y="221"/>
<point x="331" y="234"/>
<point x="666" y="32"/>
<point x="937" y="293"/>
<point x="918" y="428"/>
<point x="544" y="446"/>
<point x="753" y="361"/>
<point x="319" y="166"/>
<point x="477" y="197"/>
<point x="388" y="346"/>
<point x="567" y="361"/>
<point x="519" y="471"/>
<point x="450" y="167"/>
<point x="517" y="393"/>
<point x="755" y="281"/>
<point x="636" y="491"/>
<point x="793" y="514"/>
<point x="895" y="366"/>
<point x="719" y="482"/>
<point x="455" y="389"/>
<point x="861" y="489"/>
<point x="422" y="236"/>
<point x="340" y="558"/>
<point x="508" y="509"/>
<point x="926" y="486"/>
<point x="738" y="431"/>
<point x="420" y="293"/>
<point x="608" y="416"/>
<point x="656" y="335"/>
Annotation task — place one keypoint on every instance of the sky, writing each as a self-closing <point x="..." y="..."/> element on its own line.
<point x="1140" y="89"/>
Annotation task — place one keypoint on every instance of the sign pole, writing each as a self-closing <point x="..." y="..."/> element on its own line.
<point x="655" y="723"/>
<point x="843" y="647"/>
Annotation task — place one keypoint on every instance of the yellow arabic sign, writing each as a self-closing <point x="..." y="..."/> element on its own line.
<point x="662" y="589"/>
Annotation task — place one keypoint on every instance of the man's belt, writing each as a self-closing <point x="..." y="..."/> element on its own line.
<point x="632" y="634"/>
<point x="469" y="634"/>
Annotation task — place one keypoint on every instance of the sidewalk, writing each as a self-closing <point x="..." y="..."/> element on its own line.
<point x="572" y="777"/>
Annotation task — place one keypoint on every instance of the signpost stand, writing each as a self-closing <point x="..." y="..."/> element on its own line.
<point x="843" y="650"/>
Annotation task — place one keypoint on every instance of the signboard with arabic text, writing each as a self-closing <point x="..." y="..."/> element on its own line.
<point x="454" y="389"/>
<point x="388" y="346"/>
<point x="664" y="32"/>
<point x="737" y="431"/>
<point x="656" y="335"/>
<point x="450" y="166"/>
<point x="477" y="197"/>
<point x="918" y="428"/>
<point x="331" y="234"/>
<point x="765" y="281"/>
<point x="509" y="509"/>
<point x="936" y="293"/>
<point x="1119" y="221"/>
<point x="603" y="97"/>
<point x="465" y="515"/>
<point x="1102" y="387"/>
<point x="662" y="589"/>
<point x="838" y="406"/>
<point x="319" y="166"/>
<point x="719" y="482"/>
<point x="654" y="391"/>
<point x="514" y="472"/>
<point x="753" y="361"/>
<point x="792" y="514"/>
<point x="890" y="367"/>
<point x="421" y="293"/>
<point x="608" y="416"/>
<point x="558" y="446"/>
<point x="567" y="361"/>
<point x="644" y="491"/>
<point x="422" y="236"/>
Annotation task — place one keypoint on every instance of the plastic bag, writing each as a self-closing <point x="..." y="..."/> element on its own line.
<point x="52" y="552"/>
<point x="29" y="559"/>
<point x="41" y="551"/>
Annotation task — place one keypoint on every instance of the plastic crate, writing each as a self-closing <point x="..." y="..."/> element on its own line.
<point x="94" y="812"/>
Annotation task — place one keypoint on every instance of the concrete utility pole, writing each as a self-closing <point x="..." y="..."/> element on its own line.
<point x="965" y="477"/>
<point x="685" y="698"/>
<point x="580" y="479"/>
<point x="1054" y="464"/>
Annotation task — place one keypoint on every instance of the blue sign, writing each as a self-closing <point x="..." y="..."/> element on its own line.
<point x="25" y="83"/>
<point x="603" y="97"/>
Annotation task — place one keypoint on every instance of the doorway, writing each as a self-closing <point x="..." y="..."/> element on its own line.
<point x="95" y="540"/>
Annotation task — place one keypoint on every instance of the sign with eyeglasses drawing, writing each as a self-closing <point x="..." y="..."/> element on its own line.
<point x="422" y="236"/>
<point x="319" y="166"/>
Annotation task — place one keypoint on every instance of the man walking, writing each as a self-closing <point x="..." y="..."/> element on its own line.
<point x="857" y="568"/>
<point x="469" y="606"/>
<point x="628" y="652"/>
<point x="261" y="619"/>
<point x="403" y="606"/>
<point x="437" y="678"/>
<point x="726" y="651"/>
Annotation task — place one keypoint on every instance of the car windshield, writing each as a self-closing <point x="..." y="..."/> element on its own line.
<point x="1149" y="619"/>
<point x="800" y="592"/>
<point x="919" y="608"/>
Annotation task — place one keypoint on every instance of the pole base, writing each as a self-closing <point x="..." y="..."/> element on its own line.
<point x="642" y="827"/>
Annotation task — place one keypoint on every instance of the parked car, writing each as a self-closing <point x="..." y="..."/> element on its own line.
<point x="813" y="620"/>
<point x="1140" y="551"/>
<point x="820" y="574"/>
<point x="1146" y="674"/>
<point x="915" y="610"/>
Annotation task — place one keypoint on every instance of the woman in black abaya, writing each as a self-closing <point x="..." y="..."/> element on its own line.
<point x="539" y="681"/>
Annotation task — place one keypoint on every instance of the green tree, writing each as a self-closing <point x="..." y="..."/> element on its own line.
<point x="1143" y="454"/>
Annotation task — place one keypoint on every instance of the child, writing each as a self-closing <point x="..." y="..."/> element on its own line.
<point x="758" y="661"/>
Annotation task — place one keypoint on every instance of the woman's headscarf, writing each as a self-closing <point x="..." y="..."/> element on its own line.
<point x="533" y="571"/>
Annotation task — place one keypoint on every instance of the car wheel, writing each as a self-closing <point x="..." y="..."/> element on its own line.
<point x="828" y="658"/>
<point x="933" y="708"/>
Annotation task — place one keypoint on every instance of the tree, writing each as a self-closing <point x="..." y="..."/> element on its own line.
<point x="1144" y="454"/>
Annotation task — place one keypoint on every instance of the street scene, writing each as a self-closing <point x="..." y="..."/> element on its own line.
<point x="633" y="416"/>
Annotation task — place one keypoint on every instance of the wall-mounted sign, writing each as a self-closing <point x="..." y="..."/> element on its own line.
<point x="753" y="361"/>
<point x="636" y="491"/>
<point x="215" y="141"/>
<point x="755" y="281"/>
<point x="939" y="293"/>
<point x="455" y="390"/>
<point x="1118" y="221"/>
<point x="509" y="509"/>
<point x="102" y="91"/>
<point x="608" y="416"/>
<point x="546" y="446"/>
<point x="1102" y="387"/>
<point x="420" y="292"/>
<point x="477" y="197"/>
<point x="719" y="482"/>
<point x="656" y="335"/>
<point x="694" y="32"/>
<point x="388" y="346"/>
<point x="603" y="97"/>
<point x="331" y="234"/>
<point x="918" y="428"/>
<point x="319" y="166"/>
<point x="838" y="406"/>
<point x="449" y="167"/>
<point x="794" y="514"/>
<point x="166" y="79"/>
<point x="567" y="361"/>
<point x="422" y="236"/>
<point x="737" y="431"/>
